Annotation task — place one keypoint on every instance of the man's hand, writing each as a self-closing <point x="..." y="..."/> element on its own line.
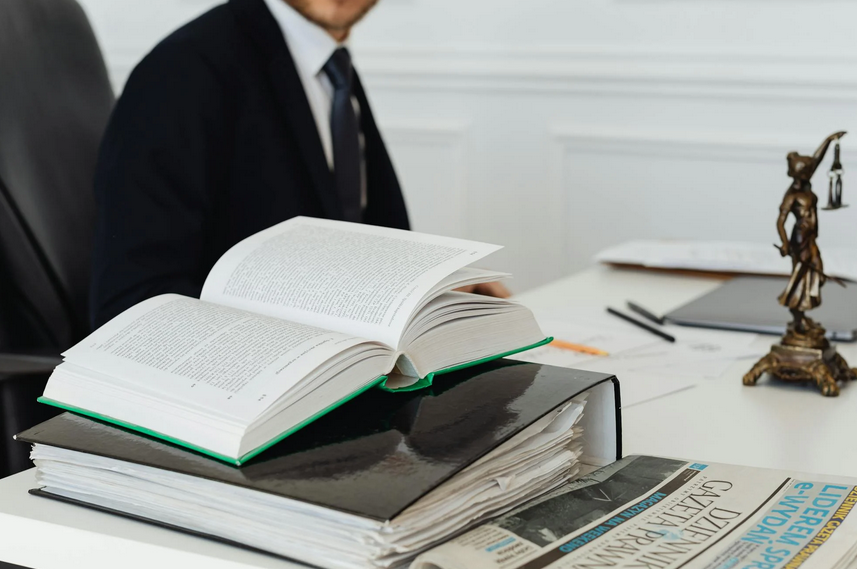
<point x="495" y="288"/>
<point x="784" y="249"/>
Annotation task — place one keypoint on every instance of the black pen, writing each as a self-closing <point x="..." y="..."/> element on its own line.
<point x="642" y="325"/>
<point x="648" y="315"/>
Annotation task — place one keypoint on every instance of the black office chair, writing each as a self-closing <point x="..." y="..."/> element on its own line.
<point x="55" y="99"/>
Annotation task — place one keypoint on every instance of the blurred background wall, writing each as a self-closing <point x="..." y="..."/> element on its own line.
<point x="559" y="127"/>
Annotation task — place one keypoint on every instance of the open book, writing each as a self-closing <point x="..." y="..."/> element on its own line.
<point x="292" y="322"/>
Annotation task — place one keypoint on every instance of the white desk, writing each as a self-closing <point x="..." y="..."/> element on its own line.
<point x="777" y="426"/>
<point x="43" y="534"/>
<point x="774" y="425"/>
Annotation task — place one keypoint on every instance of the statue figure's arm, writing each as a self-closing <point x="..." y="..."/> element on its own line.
<point x="785" y="208"/>
<point x="822" y="150"/>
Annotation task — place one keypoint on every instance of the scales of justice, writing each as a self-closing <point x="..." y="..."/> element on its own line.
<point x="804" y="353"/>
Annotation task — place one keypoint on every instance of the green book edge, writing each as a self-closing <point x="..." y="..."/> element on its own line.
<point x="228" y="459"/>
<point x="379" y="381"/>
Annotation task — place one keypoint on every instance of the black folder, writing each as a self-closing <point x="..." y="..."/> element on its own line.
<point x="382" y="451"/>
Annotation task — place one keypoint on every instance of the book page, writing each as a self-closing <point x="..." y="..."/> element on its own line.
<point x="352" y="278"/>
<point x="206" y="356"/>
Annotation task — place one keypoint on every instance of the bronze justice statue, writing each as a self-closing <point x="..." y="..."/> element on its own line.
<point x="804" y="354"/>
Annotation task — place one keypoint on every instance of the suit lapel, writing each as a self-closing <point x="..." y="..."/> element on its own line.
<point x="289" y="89"/>
<point x="260" y="25"/>
<point x="385" y="204"/>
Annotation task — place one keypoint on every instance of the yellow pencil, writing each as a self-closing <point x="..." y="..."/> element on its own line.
<point x="578" y="348"/>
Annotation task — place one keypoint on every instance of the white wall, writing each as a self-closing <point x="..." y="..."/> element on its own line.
<point x="558" y="127"/>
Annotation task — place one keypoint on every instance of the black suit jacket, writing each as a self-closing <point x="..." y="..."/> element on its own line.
<point x="211" y="141"/>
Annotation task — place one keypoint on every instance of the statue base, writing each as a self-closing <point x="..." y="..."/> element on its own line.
<point x="804" y="356"/>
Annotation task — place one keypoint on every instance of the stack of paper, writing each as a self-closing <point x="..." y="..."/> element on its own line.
<point x="723" y="256"/>
<point x="540" y="458"/>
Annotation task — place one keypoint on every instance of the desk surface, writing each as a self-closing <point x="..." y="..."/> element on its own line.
<point x="773" y="425"/>
<point x="770" y="425"/>
<point x="43" y="534"/>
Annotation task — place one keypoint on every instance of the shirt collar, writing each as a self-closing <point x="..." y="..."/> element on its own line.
<point x="310" y="45"/>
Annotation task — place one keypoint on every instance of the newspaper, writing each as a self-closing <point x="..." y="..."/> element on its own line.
<point x="657" y="513"/>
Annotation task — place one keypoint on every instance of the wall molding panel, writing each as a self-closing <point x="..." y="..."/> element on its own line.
<point x="733" y="148"/>
<point x="431" y="160"/>
<point x="624" y="71"/>
<point x="611" y="70"/>
<point x="645" y="185"/>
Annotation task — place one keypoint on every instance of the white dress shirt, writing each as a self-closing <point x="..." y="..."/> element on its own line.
<point x="311" y="46"/>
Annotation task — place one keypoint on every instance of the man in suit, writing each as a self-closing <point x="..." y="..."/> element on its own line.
<point x="245" y="117"/>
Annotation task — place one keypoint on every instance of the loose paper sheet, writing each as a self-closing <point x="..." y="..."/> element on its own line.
<point x="648" y="367"/>
<point x="725" y="256"/>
